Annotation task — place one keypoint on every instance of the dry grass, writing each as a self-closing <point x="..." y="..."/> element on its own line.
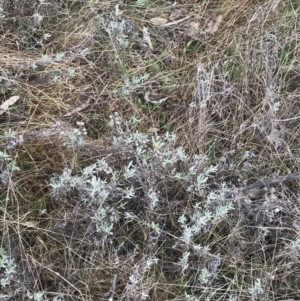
<point x="228" y="89"/>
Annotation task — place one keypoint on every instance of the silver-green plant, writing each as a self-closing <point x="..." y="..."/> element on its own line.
<point x="204" y="276"/>
<point x="74" y="139"/>
<point x="7" y="166"/>
<point x="184" y="261"/>
<point x="91" y="190"/>
<point x="131" y="83"/>
<point x="150" y="169"/>
<point x="12" y="139"/>
<point x="8" y="269"/>
<point x="257" y="289"/>
<point x="294" y="247"/>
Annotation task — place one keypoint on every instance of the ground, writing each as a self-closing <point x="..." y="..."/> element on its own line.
<point x="131" y="131"/>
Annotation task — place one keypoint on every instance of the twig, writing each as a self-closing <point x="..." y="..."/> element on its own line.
<point x="113" y="288"/>
<point x="175" y="22"/>
<point x="269" y="181"/>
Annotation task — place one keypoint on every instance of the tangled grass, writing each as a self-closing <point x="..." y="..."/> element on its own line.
<point x="126" y="164"/>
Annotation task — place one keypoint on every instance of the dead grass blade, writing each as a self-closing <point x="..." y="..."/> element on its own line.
<point x="12" y="100"/>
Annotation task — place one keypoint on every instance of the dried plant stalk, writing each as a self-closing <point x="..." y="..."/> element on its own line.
<point x="203" y="94"/>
